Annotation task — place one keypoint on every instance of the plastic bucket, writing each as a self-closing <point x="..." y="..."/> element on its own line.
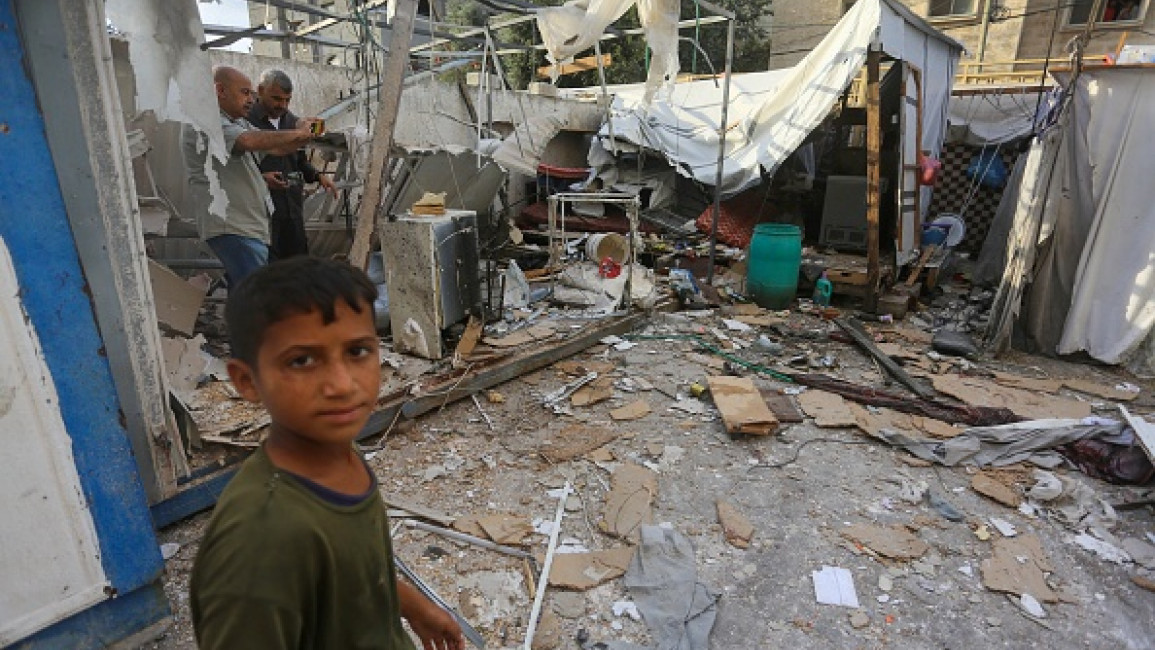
<point x="611" y="245"/>
<point x="772" y="270"/>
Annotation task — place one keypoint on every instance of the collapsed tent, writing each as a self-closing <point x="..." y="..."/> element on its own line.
<point x="1079" y="275"/>
<point x="773" y="112"/>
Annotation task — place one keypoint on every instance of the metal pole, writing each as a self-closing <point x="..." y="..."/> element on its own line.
<point x="721" y="149"/>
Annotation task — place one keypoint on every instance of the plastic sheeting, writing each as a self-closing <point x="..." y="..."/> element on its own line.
<point x="1086" y="213"/>
<point x="771" y="113"/>
<point x="991" y="118"/>
<point x="578" y="24"/>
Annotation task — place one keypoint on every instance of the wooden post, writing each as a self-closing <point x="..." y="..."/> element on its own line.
<point x="873" y="145"/>
<point x="389" y="98"/>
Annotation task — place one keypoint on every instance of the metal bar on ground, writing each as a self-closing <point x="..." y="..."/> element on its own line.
<point x="543" y="580"/>
<point x="854" y="329"/>
<point x="470" y="632"/>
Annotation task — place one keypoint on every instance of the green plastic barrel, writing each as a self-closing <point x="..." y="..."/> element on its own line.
<point x="772" y="270"/>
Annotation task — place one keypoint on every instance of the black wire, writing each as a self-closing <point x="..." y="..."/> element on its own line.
<point x="798" y="451"/>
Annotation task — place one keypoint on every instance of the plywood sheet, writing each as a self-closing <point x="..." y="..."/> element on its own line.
<point x="742" y="407"/>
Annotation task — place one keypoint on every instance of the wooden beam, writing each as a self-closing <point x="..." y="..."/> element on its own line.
<point x="873" y="164"/>
<point x="389" y="95"/>
<point x="578" y="65"/>
<point x="854" y="330"/>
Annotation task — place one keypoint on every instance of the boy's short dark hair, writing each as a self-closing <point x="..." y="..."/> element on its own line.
<point x="297" y="285"/>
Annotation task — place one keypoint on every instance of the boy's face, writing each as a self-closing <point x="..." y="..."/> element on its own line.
<point x="319" y="382"/>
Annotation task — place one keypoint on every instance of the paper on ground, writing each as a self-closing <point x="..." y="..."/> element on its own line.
<point x="834" y="586"/>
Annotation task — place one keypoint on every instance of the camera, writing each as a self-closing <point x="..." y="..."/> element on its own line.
<point x="295" y="179"/>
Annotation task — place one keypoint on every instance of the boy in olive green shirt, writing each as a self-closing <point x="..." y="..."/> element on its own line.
<point x="297" y="554"/>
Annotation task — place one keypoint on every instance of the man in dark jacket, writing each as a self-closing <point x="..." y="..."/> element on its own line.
<point x="286" y="175"/>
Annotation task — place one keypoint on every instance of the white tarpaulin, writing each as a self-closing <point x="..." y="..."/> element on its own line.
<point x="992" y="118"/>
<point x="771" y="113"/>
<point x="1092" y="224"/>
<point x="578" y="24"/>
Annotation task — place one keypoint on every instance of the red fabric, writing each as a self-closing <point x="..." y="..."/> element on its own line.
<point x="733" y="229"/>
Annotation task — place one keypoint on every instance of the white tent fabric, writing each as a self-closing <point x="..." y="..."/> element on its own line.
<point x="991" y="118"/>
<point x="1092" y="224"/>
<point x="578" y="24"/>
<point x="771" y="113"/>
<point x="1113" y="303"/>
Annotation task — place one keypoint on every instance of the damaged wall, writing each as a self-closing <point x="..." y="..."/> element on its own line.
<point x="432" y="114"/>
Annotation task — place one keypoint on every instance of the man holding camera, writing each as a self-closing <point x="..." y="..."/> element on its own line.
<point x="285" y="175"/>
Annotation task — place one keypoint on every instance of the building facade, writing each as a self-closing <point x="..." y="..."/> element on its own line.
<point x="995" y="32"/>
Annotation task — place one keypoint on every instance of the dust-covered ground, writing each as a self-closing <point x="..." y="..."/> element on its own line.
<point x="799" y="489"/>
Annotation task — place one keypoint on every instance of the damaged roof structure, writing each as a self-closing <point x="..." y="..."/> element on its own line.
<point x="617" y="410"/>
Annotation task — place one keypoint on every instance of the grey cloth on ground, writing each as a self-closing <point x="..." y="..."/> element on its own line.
<point x="1031" y="441"/>
<point x="663" y="581"/>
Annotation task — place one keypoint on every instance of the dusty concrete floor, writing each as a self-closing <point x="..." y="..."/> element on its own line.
<point x="452" y="461"/>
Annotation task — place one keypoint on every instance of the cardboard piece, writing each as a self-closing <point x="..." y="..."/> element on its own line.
<point x="1028" y="383"/>
<point x="1100" y="390"/>
<point x="871" y="422"/>
<point x="525" y="336"/>
<point x="894" y="542"/>
<point x="177" y="302"/>
<point x="587" y="570"/>
<point x="990" y="488"/>
<point x="469" y="525"/>
<point x="736" y="527"/>
<point x="1026" y="404"/>
<point x="829" y="411"/>
<point x="505" y="528"/>
<point x="631" y="411"/>
<point x="599" y="390"/>
<point x="629" y="503"/>
<point x="742" y="407"/>
<point x="582" y="368"/>
<point x="1018" y="565"/>
<point x="574" y="441"/>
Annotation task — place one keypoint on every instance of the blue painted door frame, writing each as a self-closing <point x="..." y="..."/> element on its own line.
<point x="57" y="301"/>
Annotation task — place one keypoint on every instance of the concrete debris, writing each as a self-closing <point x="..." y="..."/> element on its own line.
<point x="1141" y="552"/>
<point x="859" y="620"/>
<point x="626" y="608"/>
<point x="1032" y="606"/>
<point x="1104" y="550"/>
<point x="1005" y="528"/>
<point x="1047" y="487"/>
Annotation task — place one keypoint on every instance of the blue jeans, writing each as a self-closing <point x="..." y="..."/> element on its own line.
<point x="240" y="255"/>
